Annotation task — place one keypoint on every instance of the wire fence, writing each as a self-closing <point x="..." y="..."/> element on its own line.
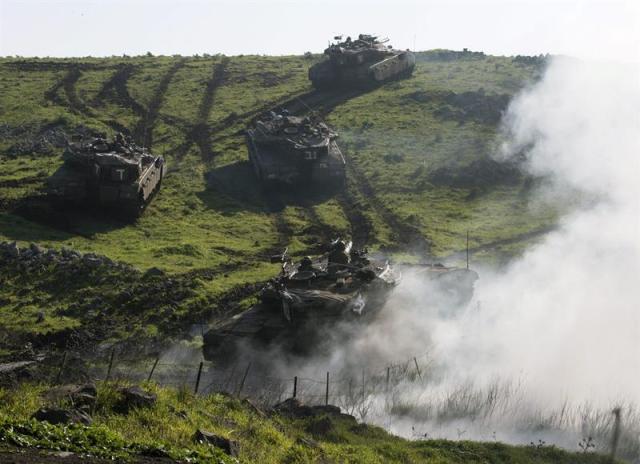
<point x="357" y="391"/>
<point x="245" y="379"/>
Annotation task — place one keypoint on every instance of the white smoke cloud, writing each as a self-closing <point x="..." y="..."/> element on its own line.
<point x="562" y="323"/>
<point x="566" y="315"/>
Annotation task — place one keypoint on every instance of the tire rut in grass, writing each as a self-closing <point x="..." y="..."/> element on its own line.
<point x="143" y="132"/>
<point x="276" y="206"/>
<point x="199" y="134"/>
<point x="115" y="90"/>
<point x="406" y="236"/>
<point x="362" y="232"/>
<point x="69" y="86"/>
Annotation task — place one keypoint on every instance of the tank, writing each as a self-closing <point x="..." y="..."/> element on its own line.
<point x="453" y="286"/>
<point x="295" y="309"/>
<point x="363" y="62"/>
<point x="111" y="173"/>
<point x="294" y="151"/>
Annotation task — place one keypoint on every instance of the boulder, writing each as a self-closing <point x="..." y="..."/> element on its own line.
<point x="81" y="396"/>
<point x="293" y="408"/>
<point x="12" y="250"/>
<point x="62" y="416"/>
<point x="36" y="249"/>
<point x="134" y="397"/>
<point x="231" y="447"/>
<point x="154" y="272"/>
<point x="320" y="426"/>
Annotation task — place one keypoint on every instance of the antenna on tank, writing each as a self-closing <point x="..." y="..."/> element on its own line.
<point x="467" y="249"/>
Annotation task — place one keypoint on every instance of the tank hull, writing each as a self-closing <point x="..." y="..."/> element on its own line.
<point x="73" y="183"/>
<point x="331" y="73"/>
<point x="300" y="328"/>
<point x="302" y="310"/>
<point x="453" y="286"/>
<point x="275" y="167"/>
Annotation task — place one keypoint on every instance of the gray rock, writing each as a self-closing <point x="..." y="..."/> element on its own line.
<point x="154" y="272"/>
<point x="134" y="397"/>
<point x="81" y="396"/>
<point x="320" y="426"/>
<point x="13" y="250"/>
<point x="36" y="249"/>
<point x="231" y="447"/>
<point x="62" y="416"/>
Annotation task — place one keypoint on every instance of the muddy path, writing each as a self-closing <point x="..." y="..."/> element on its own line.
<point x="143" y="132"/>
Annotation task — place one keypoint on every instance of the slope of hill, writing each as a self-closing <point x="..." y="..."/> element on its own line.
<point x="164" y="432"/>
<point x="419" y="177"/>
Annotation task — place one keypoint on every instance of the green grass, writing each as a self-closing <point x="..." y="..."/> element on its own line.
<point x="210" y="216"/>
<point x="168" y="428"/>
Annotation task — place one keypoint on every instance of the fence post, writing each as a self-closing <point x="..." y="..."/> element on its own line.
<point x="244" y="377"/>
<point x="198" y="378"/>
<point x="64" y="360"/>
<point x="295" y="386"/>
<point x="326" y="393"/>
<point x="616" y="434"/>
<point x="153" y="369"/>
<point x="417" y="368"/>
<point x="113" y="353"/>
<point x="388" y="374"/>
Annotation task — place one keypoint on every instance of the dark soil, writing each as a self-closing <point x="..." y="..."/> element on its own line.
<point x="32" y="456"/>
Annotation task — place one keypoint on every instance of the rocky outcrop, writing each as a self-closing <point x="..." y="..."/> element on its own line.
<point x="134" y="398"/>
<point x="80" y="396"/>
<point x="35" y="258"/>
<point x="295" y="409"/>
<point x="62" y="416"/>
<point x="231" y="447"/>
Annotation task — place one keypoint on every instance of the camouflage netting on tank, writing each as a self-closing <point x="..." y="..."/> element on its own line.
<point x="299" y="132"/>
<point x="119" y="151"/>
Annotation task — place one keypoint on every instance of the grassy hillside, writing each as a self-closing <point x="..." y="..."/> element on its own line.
<point x="167" y="430"/>
<point x="419" y="178"/>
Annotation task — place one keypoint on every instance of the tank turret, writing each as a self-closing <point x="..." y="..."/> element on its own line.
<point x="292" y="150"/>
<point x="309" y="297"/>
<point x="106" y="172"/>
<point x="359" y="63"/>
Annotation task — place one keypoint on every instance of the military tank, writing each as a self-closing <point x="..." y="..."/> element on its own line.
<point x="104" y="172"/>
<point x="296" y="308"/>
<point x="453" y="286"/>
<point x="293" y="151"/>
<point x="363" y="62"/>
